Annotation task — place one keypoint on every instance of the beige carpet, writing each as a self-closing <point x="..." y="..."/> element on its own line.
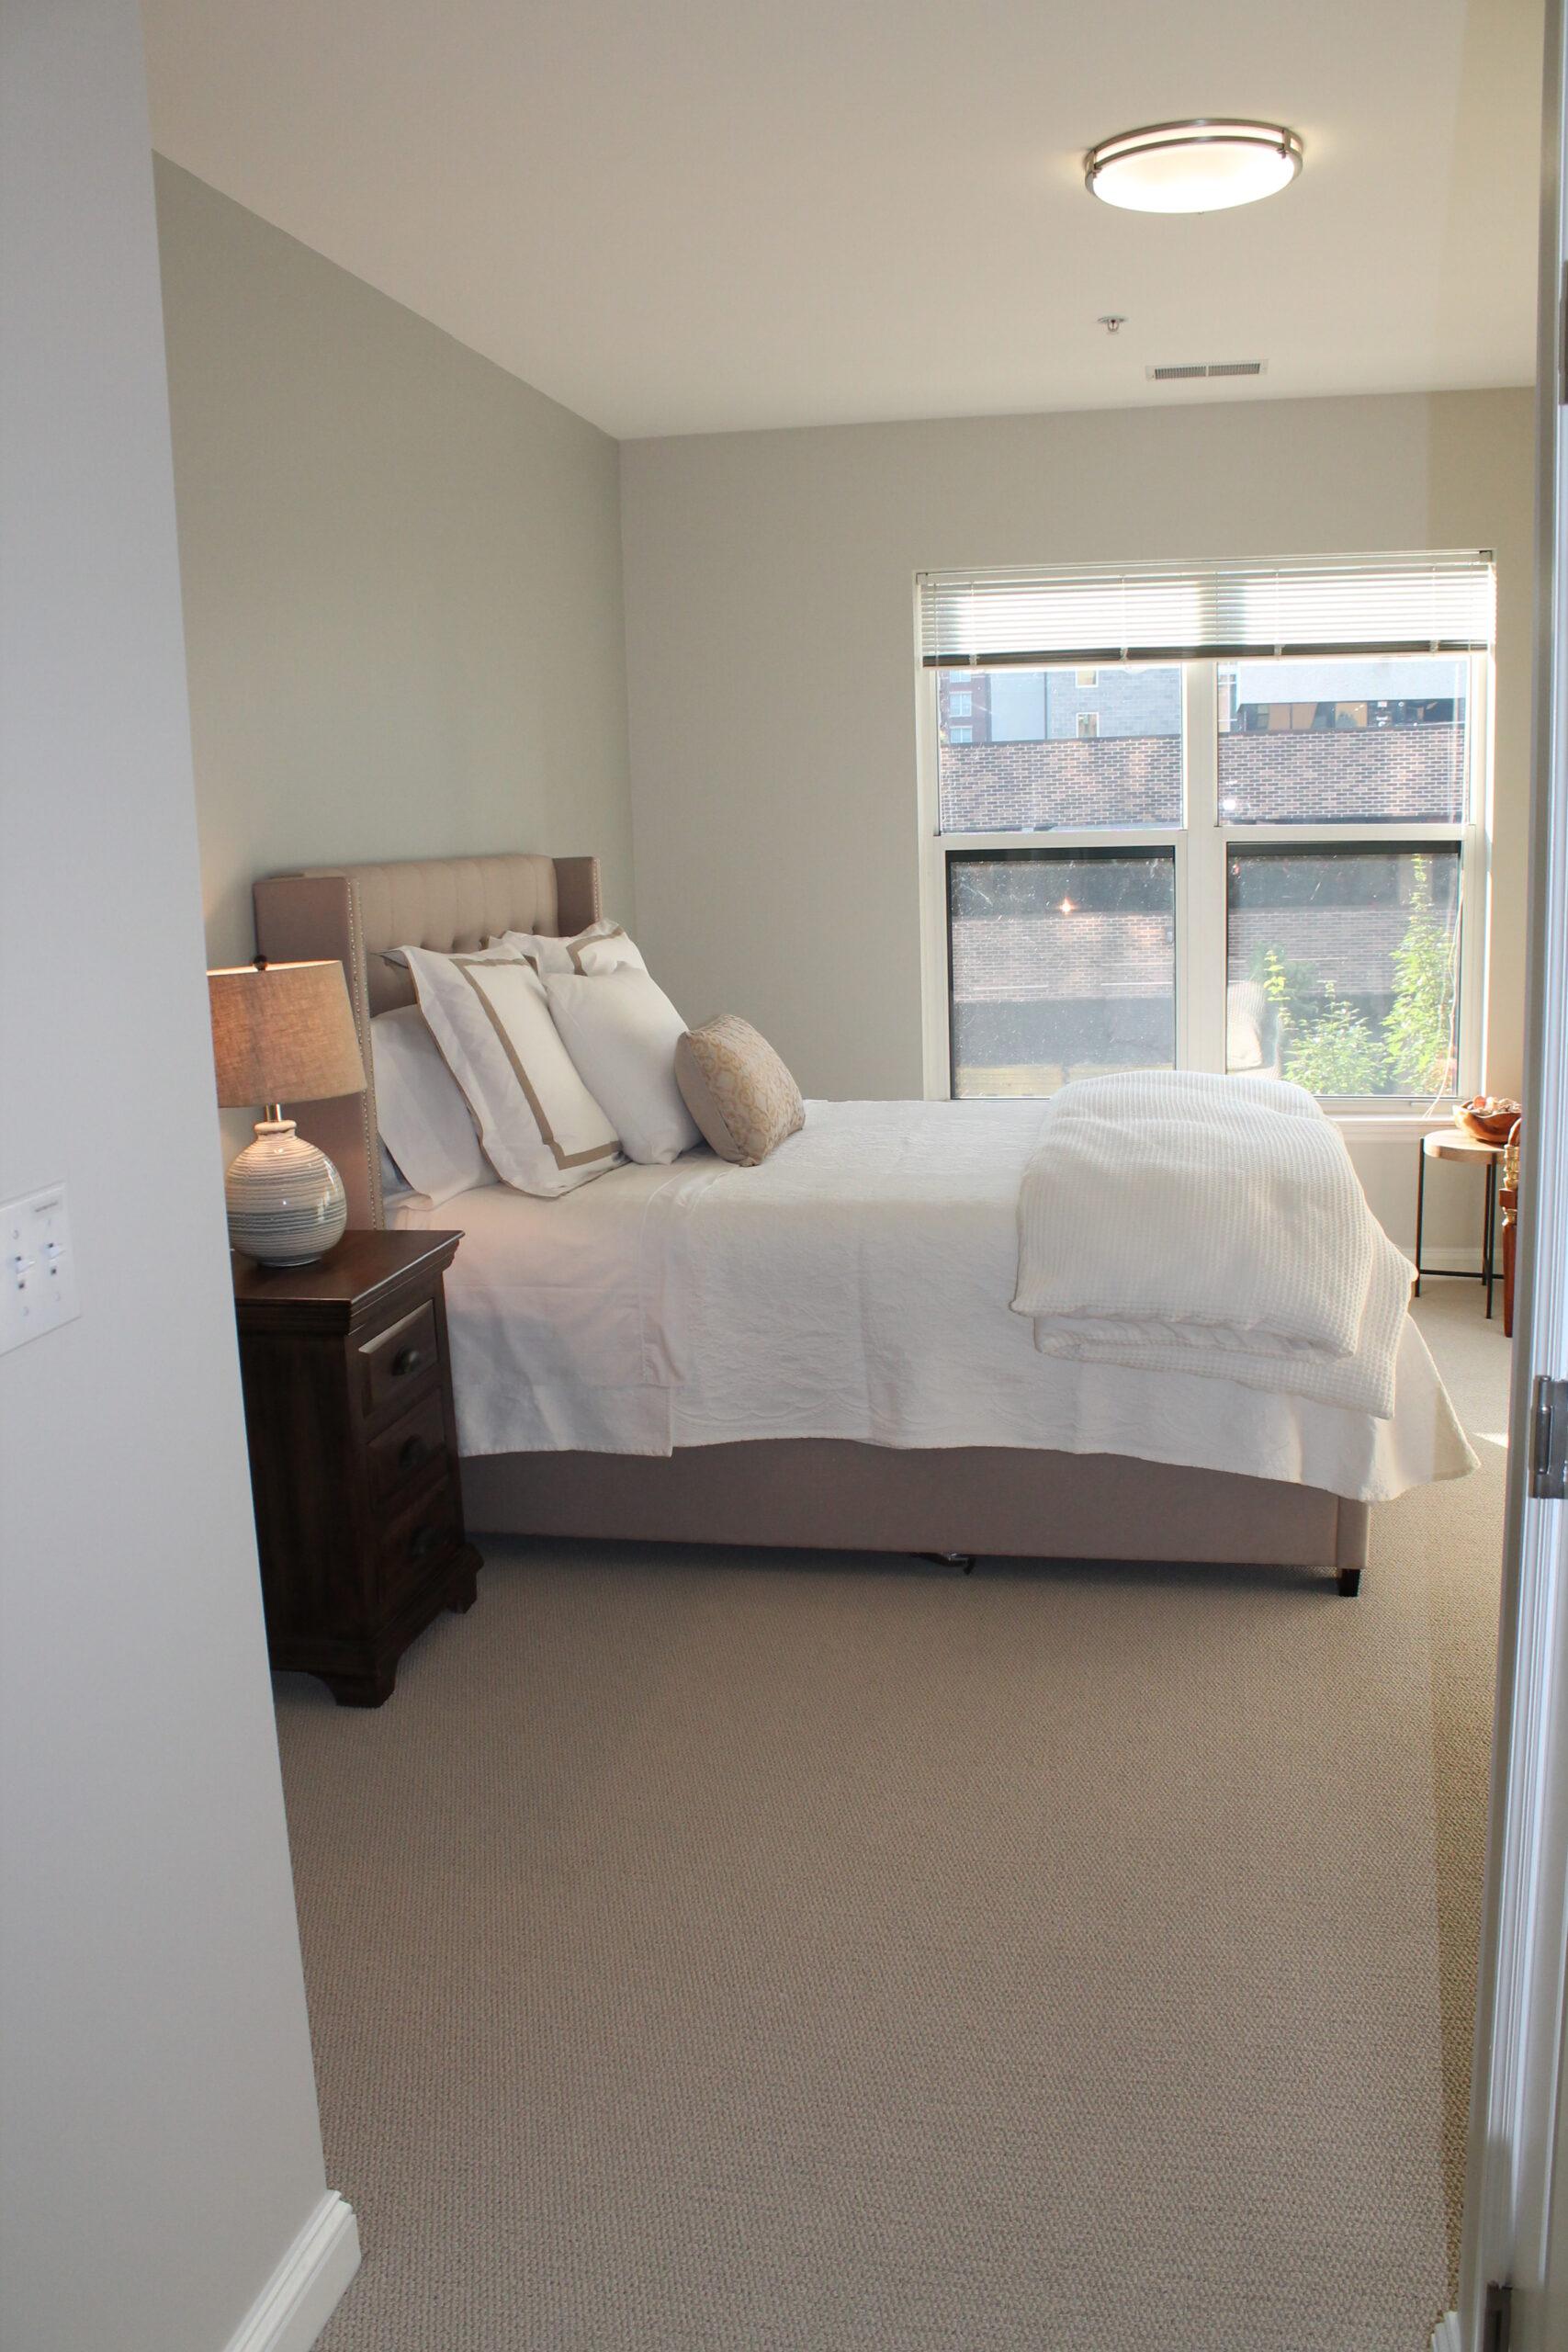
<point x="836" y="1955"/>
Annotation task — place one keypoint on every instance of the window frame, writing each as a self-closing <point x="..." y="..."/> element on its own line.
<point x="1202" y="844"/>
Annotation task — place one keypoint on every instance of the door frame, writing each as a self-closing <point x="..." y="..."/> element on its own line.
<point x="1518" y="2093"/>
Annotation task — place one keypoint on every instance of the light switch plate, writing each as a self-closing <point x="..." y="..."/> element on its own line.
<point x="38" y="1267"/>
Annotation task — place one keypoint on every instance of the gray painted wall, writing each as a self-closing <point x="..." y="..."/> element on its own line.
<point x="160" y="2149"/>
<point x="403" y="577"/>
<point x="772" y="678"/>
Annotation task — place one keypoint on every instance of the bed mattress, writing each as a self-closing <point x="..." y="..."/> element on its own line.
<point x="855" y="1285"/>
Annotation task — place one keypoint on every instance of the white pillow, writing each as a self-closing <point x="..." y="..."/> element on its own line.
<point x="492" y="952"/>
<point x="420" y="1110"/>
<point x="603" y="947"/>
<point x="621" y="1031"/>
<point x="541" y="1128"/>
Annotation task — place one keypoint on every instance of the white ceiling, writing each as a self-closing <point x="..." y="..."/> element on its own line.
<point x="684" y="216"/>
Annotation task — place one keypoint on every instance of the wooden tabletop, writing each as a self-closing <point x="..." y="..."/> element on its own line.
<point x="341" y="1289"/>
<point x="1456" y="1143"/>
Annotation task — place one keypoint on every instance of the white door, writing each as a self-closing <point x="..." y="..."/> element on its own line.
<point x="1517" y="2194"/>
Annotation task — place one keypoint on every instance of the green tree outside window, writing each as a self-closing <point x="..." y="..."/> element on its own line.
<point x="1329" y="1046"/>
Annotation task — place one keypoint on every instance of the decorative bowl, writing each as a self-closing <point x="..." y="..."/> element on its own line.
<point x="1489" y="1117"/>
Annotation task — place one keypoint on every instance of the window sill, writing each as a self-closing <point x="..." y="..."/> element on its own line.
<point x="1390" y="1127"/>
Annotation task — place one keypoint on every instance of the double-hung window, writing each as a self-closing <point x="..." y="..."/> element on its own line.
<point x="1226" y="817"/>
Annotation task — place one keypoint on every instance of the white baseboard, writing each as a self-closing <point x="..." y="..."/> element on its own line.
<point x="1445" y="2335"/>
<point x="306" y="2287"/>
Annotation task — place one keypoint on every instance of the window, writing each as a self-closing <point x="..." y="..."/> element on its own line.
<point x="1123" y="770"/>
<point x="1063" y="964"/>
<point x="1262" y="849"/>
<point x="1339" y="742"/>
<point x="1341" y="967"/>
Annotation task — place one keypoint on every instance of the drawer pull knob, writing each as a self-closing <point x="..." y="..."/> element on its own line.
<point x="407" y="1360"/>
<point x="412" y="1449"/>
<point x="424" y="1541"/>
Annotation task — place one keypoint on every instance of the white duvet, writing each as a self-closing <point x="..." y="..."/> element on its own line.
<point x="857" y="1284"/>
<point x="1174" y="1221"/>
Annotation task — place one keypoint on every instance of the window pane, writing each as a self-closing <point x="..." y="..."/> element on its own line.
<point x="1059" y="747"/>
<point x="1063" y="964"/>
<point x="1342" y="967"/>
<point x="1341" y="741"/>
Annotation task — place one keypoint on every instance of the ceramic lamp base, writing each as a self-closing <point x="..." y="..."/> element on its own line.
<point x="286" y="1200"/>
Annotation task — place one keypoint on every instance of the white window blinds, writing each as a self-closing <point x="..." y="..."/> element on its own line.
<point x="1169" y="612"/>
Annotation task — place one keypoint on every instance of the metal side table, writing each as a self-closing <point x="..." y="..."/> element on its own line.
<point x="1452" y="1143"/>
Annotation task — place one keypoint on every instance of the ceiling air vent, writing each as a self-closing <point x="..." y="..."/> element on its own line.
<point x="1205" y="367"/>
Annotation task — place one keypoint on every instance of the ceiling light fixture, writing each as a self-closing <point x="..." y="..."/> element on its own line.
<point x="1200" y="167"/>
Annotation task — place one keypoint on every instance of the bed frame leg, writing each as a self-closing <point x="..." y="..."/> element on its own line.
<point x="965" y="1560"/>
<point x="1350" y="1582"/>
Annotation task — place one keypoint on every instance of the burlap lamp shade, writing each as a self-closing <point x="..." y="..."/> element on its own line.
<point x="283" y="1033"/>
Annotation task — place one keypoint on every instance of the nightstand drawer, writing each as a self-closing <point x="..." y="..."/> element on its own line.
<point x="408" y="1446"/>
<point x="422" y="1535"/>
<point x="399" y="1358"/>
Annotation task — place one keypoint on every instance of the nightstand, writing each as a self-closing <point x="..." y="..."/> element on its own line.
<point x="354" y="1455"/>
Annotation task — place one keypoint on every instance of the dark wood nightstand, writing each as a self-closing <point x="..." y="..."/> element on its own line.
<point x="354" y="1455"/>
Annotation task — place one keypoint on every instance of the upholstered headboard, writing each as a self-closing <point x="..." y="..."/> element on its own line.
<point x="355" y="912"/>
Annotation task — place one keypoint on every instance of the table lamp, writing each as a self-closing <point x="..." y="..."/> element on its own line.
<point x="283" y="1033"/>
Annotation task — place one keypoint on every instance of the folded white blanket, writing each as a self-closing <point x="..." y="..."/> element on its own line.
<point x="1174" y="1221"/>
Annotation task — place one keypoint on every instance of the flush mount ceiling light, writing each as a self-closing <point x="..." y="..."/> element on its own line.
<point x="1198" y="166"/>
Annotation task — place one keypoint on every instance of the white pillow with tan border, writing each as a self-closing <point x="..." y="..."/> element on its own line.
<point x="603" y="947"/>
<point x="541" y="1128"/>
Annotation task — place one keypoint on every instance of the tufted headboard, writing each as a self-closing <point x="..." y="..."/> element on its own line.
<point x="354" y="912"/>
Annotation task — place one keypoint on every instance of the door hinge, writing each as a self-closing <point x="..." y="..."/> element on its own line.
<point x="1497" y="2317"/>
<point x="1549" y="1440"/>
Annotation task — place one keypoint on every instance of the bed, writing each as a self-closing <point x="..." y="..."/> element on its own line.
<point x="810" y="1353"/>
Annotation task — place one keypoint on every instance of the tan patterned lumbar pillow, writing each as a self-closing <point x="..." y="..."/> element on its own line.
<point x="737" y="1089"/>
